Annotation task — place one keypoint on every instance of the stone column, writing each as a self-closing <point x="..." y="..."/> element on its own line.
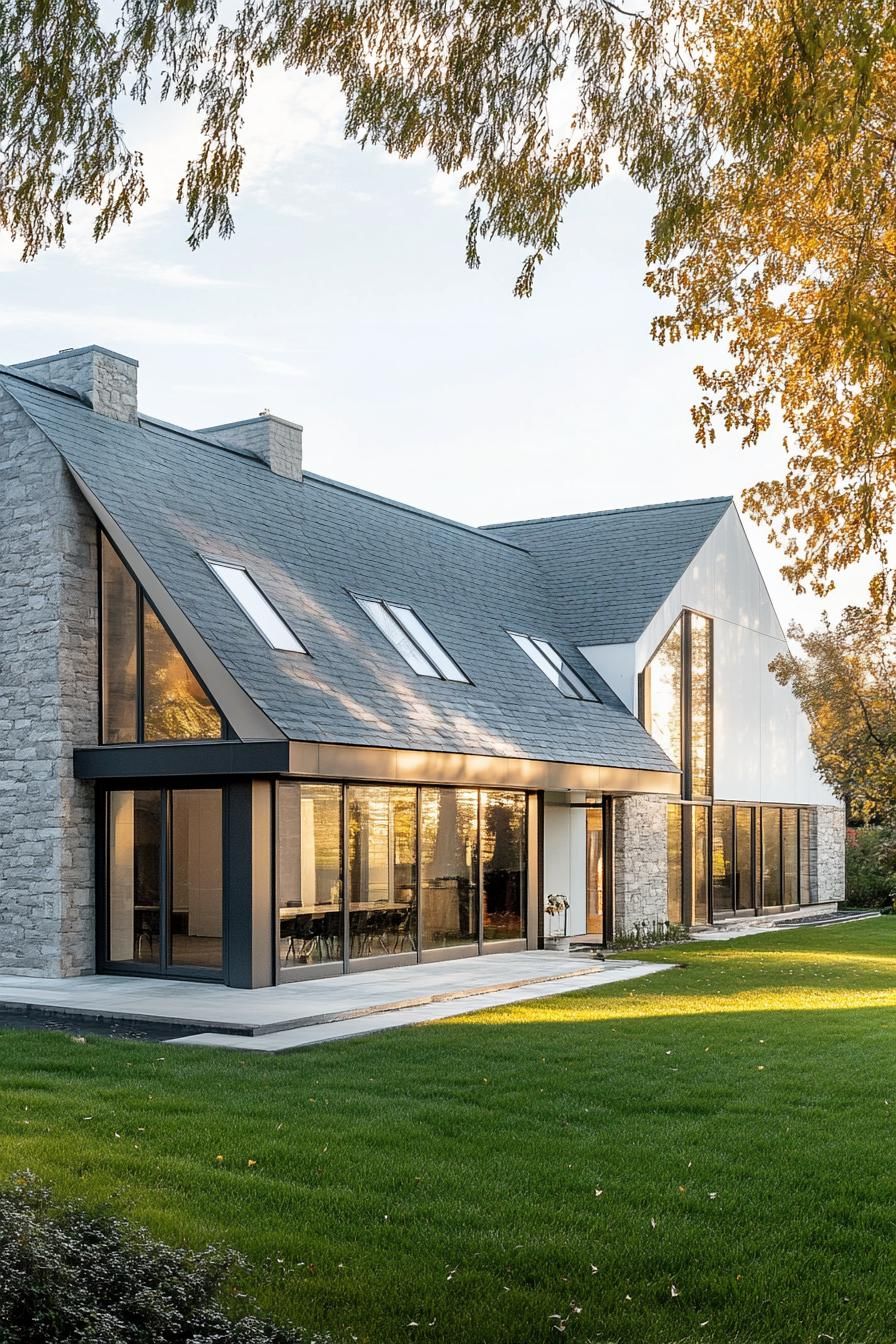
<point x="640" y="861"/>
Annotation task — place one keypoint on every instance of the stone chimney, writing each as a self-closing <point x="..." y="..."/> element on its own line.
<point x="106" y="380"/>
<point x="274" y="441"/>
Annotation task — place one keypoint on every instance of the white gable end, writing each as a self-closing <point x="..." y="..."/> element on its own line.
<point x="762" y="751"/>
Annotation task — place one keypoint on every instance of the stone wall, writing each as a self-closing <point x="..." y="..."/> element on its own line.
<point x="48" y="705"/>
<point x="640" y="838"/>
<point x="827" y="854"/>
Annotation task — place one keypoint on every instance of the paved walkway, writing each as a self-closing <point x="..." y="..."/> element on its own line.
<point x="247" y="1017"/>
<point x="437" y="1010"/>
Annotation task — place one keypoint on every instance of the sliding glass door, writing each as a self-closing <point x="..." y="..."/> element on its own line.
<point x="164" y="881"/>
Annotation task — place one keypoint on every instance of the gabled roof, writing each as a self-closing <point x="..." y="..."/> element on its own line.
<point x="609" y="573"/>
<point x="179" y="496"/>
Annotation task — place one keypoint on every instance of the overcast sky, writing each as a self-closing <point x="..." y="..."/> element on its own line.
<point x="343" y="302"/>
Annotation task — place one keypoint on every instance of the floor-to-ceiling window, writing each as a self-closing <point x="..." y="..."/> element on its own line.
<point x="771" y="855"/>
<point x="745" y="894"/>
<point x="449" y="859"/>
<point x="309" y="873"/>
<point x="790" y="856"/>
<point x="723" y="871"/>
<point x="699" y="817"/>
<point x="503" y="840"/>
<point x="429" y="872"/>
<point x="700" y="705"/>
<point x="164" y="879"/>
<point x="594" y="871"/>
<point x="674" y="870"/>
<point x="382" y="870"/>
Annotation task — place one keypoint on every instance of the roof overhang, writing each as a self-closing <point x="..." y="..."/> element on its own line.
<point x="383" y="765"/>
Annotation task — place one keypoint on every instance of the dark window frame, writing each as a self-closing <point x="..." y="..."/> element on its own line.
<point x="591" y="698"/>
<point x="685" y="616"/>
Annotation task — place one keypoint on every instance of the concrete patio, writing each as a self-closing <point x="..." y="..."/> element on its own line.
<point x="290" y="1016"/>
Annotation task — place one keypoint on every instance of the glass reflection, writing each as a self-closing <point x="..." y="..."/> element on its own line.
<point x="771" y="856"/>
<point x="789" y="856"/>
<point x="119" y="652"/>
<point x="662" y="694"/>
<point x="744" y="876"/>
<point x="674" y="874"/>
<point x="175" y="707"/>
<point x="196" y="862"/>
<point x="309" y="872"/>
<point x="701" y="706"/>
<point x="135" y="832"/>
<point x="700" y="863"/>
<point x="382" y="857"/>
<point x="503" y="865"/>
<point x="449" y="874"/>
<point x="723" y="860"/>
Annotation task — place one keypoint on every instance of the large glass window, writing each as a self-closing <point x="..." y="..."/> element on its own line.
<point x="175" y="707"/>
<point x="771" y="856"/>
<point x="119" y="652"/>
<point x="141" y="664"/>
<point x="165" y="901"/>
<point x="744" y="894"/>
<point x="382" y="856"/>
<point x="701" y="706"/>
<point x="699" y="864"/>
<point x="503" y="865"/>
<point x="196" y="863"/>
<point x="449" y="875"/>
<point x="309" y="872"/>
<point x="722" y="860"/>
<point x="790" y="856"/>
<point x="134" y="887"/>
<point x="594" y="871"/>
<point x="674" y="872"/>
<point x="662" y="694"/>
<point x="805" y="895"/>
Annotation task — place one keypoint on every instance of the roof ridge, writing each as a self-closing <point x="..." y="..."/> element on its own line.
<point x="604" y="513"/>
<point x="412" y="508"/>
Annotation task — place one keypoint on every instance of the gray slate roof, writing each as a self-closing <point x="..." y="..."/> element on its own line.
<point x="309" y="545"/>
<point x="609" y="573"/>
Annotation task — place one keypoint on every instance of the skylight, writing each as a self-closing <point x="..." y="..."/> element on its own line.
<point x="546" y="657"/>
<point x="247" y="594"/>
<point x="409" y="636"/>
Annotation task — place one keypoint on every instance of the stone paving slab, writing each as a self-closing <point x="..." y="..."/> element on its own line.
<point x="217" y="1008"/>
<point x="415" y="1014"/>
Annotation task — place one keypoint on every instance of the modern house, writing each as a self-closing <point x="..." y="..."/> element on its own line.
<point x="256" y="725"/>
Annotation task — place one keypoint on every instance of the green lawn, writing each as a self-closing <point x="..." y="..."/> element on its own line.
<point x="707" y="1154"/>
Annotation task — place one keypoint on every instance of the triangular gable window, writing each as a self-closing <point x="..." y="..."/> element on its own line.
<point x="164" y="703"/>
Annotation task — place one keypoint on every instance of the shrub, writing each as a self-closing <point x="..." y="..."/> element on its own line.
<point x="871" y="867"/>
<point x="69" y="1275"/>
<point x="646" y="934"/>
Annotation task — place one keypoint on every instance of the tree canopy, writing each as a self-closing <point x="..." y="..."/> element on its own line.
<point x="765" y="129"/>
<point x="845" y="680"/>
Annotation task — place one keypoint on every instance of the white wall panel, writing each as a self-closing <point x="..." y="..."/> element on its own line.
<point x="762" y="750"/>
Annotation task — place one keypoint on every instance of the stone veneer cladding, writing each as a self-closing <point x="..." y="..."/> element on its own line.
<point x="640" y="860"/>
<point x="48" y="705"/>
<point x="827" y="854"/>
